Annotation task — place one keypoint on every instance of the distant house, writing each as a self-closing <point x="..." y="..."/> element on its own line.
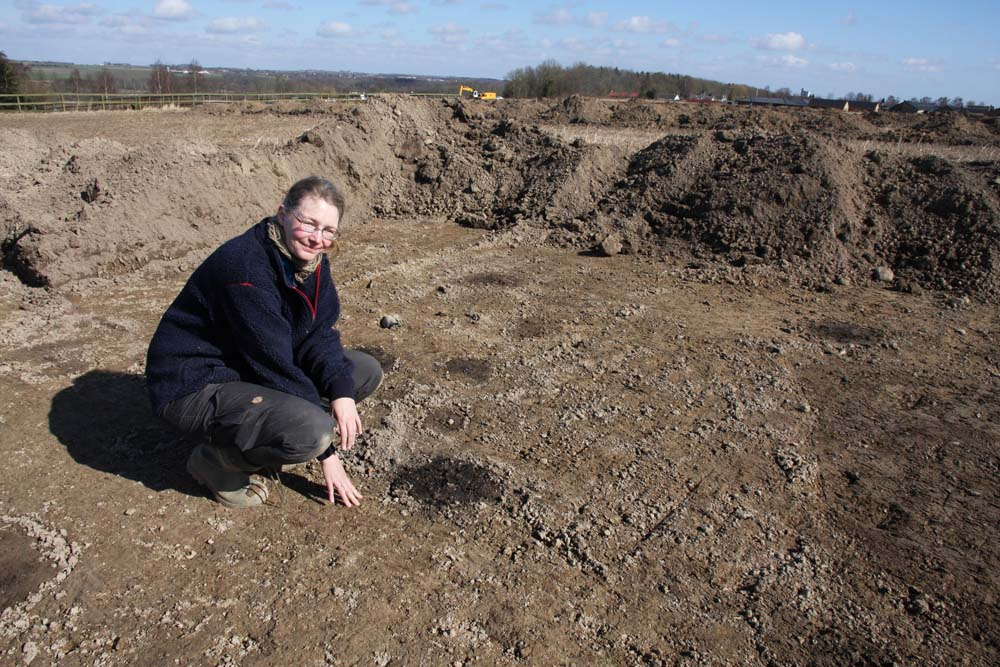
<point x="825" y="103"/>
<point x="844" y="105"/>
<point x="903" y="107"/>
<point x="773" y="101"/>
<point x="858" y="105"/>
<point x="978" y="109"/>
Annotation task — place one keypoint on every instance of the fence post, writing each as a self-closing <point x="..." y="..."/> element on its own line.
<point x="18" y="102"/>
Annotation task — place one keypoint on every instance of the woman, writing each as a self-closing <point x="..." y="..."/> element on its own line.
<point x="247" y="357"/>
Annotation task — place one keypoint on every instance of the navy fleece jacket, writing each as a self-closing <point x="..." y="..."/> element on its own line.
<point x="242" y="317"/>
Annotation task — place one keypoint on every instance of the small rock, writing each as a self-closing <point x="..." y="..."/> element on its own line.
<point x="310" y="137"/>
<point x="130" y="511"/>
<point x="805" y="407"/>
<point x="883" y="274"/>
<point x="390" y="322"/>
<point x="610" y="246"/>
<point x="92" y="191"/>
<point x="852" y="477"/>
<point x="842" y="280"/>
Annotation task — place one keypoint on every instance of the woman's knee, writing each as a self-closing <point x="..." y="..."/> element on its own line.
<point x="310" y="437"/>
<point x="367" y="375"/>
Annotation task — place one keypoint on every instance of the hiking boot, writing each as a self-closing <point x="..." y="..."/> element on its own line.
<point x="226" y="473"/>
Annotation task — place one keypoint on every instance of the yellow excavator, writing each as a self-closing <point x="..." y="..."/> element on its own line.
<point x="476" y="93"/>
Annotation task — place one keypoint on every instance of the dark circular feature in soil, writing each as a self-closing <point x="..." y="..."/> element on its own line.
<point x="477" y="369"/>
<point x="21" y="570"/>
<point x="487" y="278"/>
<point x="535" y="327"/>
<point x="444" y="419"/>
<point x="444" y="481"/>
<point x="846" y="333"/>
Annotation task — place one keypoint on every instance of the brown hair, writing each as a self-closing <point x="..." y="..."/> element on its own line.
<point x="319" y="187"/>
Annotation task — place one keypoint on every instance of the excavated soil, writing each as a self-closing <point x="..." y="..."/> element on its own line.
<point x="673" y="385"/>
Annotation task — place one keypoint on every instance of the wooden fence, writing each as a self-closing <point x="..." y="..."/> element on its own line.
<point x="99" y="102"/>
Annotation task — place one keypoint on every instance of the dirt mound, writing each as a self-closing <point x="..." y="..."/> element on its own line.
<point x="577" y="109"/>
<point x="794" y="189"/>
<point x="939" y="226"/>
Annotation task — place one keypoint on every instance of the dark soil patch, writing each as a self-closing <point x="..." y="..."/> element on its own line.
<point x="444" y="481"/>
<point x="847" y="333"/>
<point x="489" y="278"/>
<point x="476" y="369"/>
<point x="535" y="327"/>
<point x="445" y="419"/>
<point x="21" y="570"/>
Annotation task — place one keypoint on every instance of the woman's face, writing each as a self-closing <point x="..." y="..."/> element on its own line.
<point x="311" y="213"/>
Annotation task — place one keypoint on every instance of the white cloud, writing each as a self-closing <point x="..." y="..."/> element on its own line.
<point x="236" y="24"/>
<point x="335" y="29"/>
<point x="277" y="4"/>
<point x="921" y="65"/>
<point x="714" y="38"/>
<point x="643" y="24"/>
<point x="124" y="24"/>
<point x="596" y="19"/>
<point x="557" y="16"/>
<point x="784" y="41"/>
<point x="66" y="15"/>
<point x="493" y="5"/>
<point x="671" y="42"/>
<point x="787" y="60"/>
<point x="173" y="10"/>
<point x="850" y="19"/>
<point x="575" y="44"/>
<point x="843" y="67"/>
<point x="449" y="33"/>
<point x="394" y="6"/>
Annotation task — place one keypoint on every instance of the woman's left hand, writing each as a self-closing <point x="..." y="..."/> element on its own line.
<point x="345" y="411"/>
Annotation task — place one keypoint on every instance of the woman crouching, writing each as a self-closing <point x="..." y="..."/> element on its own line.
<point x="247" y="357"/>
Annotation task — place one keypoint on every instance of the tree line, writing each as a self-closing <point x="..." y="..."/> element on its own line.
<point x="163" y="79"/>
<point x="550" y="79"/>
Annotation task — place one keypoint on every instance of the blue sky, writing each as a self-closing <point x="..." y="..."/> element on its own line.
<point x="907" y="49"/>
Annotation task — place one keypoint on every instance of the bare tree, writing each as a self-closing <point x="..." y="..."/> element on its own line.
<point x="161" y="79"/>
<point x="194" y="75"/>
<point x="105" y="82"/>
<point x="75" y="80"/>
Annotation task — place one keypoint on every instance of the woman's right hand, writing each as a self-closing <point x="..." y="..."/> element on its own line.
<point x="337" y="480"/>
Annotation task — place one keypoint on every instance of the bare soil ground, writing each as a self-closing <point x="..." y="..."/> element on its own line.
<point x="684" y="386"/>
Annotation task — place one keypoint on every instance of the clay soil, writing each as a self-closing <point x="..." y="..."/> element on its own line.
<point x="673" y="385"/>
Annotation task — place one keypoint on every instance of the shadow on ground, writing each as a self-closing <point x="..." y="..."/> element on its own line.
<point x="105" y="422"/>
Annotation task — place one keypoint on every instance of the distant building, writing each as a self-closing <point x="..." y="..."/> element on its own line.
<point x="903" y="107"/>
<point x="859" y="105"/>
<point x="978" y="109"/>
<point x="773" y="101"/>
<point x="826" y="103"/>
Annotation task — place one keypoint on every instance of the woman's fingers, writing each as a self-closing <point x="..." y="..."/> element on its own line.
<point x="338" y="483"/>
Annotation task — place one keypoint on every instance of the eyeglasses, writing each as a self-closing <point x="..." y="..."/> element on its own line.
<point x="310" y="228"/>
